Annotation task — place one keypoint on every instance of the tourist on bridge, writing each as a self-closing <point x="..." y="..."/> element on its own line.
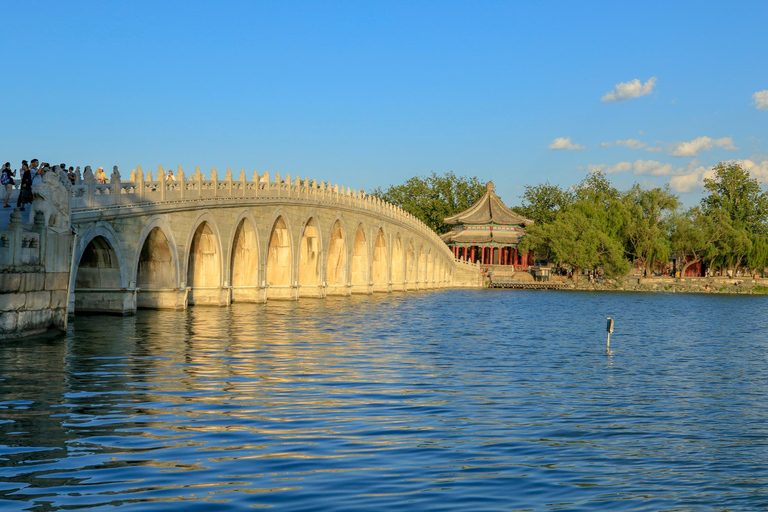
<point x="6" y="179"/>
<point x="101" y="176"/>
<point x="170" y="176"/>
<point x="25" y="190"/>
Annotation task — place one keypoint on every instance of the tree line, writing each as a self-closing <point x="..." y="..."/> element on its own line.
<point x="595" y="226"/>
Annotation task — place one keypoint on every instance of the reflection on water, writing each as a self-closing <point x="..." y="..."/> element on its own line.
<point x="454" y="400"/>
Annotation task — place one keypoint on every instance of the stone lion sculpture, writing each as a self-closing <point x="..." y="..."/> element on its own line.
<point x="51" y="197"/>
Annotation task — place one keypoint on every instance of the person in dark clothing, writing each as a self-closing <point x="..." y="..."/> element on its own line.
<point x="25" y="190"/>
<point x="6" y="179"/>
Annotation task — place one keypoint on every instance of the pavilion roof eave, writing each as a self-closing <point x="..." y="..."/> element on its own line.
<point x="489" y="209"/>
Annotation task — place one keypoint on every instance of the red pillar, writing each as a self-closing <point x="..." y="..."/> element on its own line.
<point x="514" y="256"/>
<point x="473" y="254"/>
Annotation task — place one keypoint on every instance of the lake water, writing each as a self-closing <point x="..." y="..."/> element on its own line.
<point x="450" y="400"/>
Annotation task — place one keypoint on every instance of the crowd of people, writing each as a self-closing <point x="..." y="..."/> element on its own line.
<point x="29" y="173"/>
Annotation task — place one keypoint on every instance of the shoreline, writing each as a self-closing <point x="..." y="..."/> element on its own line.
<point x="704" y="285"/>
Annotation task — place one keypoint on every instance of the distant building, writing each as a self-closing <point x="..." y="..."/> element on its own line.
<point x="488" y="232"/>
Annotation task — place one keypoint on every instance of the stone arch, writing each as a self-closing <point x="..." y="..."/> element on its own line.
<point x="422" y="265"/>
<point x="309" y="260"/>
<point x="98" y="282"/>
<point x="244" y="261"/>
<point x="411" y="264"/>
<point x="380" y="263"/>
<point x="430" y="268"/>
<point x="336" y="271"/>
<point x="398" y="261"/>
<point x="279" y="260"/>
<point x="160" y="223"/>
<point x="359" y="275"/>
<point x="204" y="266"/>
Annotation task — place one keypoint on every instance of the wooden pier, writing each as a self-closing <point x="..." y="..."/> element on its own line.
<point x="531" y="285"/>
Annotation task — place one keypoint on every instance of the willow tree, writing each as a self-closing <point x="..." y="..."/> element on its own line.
<point x="697" y="236"/>
<point x="646" y="223"/>
<point x="734" y="192"/>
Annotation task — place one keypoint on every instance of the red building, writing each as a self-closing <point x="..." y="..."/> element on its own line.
<point x="488" y="232"/>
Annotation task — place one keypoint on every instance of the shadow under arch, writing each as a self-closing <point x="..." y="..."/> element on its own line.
<point x="204" y="265"/>
<point x="310" y="250"/>
<point x="244" y="261"/>
<point x="280" y="262"/>
<point x="98" y="284"/>
<point x="336" y="269"/>
<point x="359" y="271"/>
<point x="380" y="264"/>
<point x="422" y="275"/>
<point x="411" y="265"/>
<point x="398" y="263"/>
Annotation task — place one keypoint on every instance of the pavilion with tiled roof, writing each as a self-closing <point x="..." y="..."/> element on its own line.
<point x="488" y="232"/>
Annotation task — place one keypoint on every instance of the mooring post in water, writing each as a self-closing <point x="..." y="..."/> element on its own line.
<point x="609" y="328"/>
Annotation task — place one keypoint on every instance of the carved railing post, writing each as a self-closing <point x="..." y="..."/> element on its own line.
<point x="90" y="182"/>
<point x="161" y="182"/>
<point x="117" y="184"/>
<point x="277" y="183"/>
<point x="199" y="178"/>
<point x="228" y="181"/>
<point x="244" y="182"/>
<point x="14" y="232"/>
<point x="182" y="182"/>
<point x="215" y="180"/>
<point x="139" y="183"/>
<point x="42" y="230"/>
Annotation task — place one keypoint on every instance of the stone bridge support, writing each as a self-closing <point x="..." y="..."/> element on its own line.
<point x="204" y="242"/>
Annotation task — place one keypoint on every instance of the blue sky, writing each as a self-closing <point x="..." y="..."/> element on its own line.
<point x="369" y="94"/>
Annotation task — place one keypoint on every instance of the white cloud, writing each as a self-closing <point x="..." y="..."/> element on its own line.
<point x="694" y="178"/>
<point x="564" y="143"/>
<point x="696" y="146"/>
<point x="629" y="90"/>
<point x="758" y="170"/>
<point x="641" y="168"/>
<point x="631" y="143"/>
<point x="690" y="181"/>
<point x="761" y="99"/>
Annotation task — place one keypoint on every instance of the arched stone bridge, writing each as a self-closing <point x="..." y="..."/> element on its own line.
<point x="168" y="244"/>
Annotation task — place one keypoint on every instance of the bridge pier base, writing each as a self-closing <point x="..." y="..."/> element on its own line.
<point x="312" y="291"/>
<point x="173" y="298"/>
<point x="340" y="290"/>
<point x="110" y="301"/>
<point x="362" y="289"/>
<point x="249" y="294"/>
<point x="282" y="293"/>
<point x="209" y="296"/>
<point x="382" y="288"/>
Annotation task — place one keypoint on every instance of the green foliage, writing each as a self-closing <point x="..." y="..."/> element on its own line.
<point x="757" y="259"/>
<point x="435" y="197"/>
<point x="543" y="202"/>
<point x="739" y="196"/>
<point x="646" y="223"/>
<point x="583" y="235"/>
<point x="698" y="235"/>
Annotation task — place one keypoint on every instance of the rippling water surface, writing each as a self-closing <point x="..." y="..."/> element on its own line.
<point x="454" y="400"/>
